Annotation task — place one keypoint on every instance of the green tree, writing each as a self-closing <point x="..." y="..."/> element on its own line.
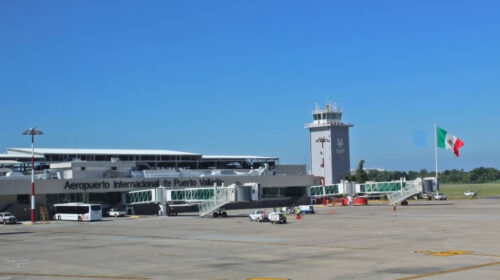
<point x="347" y="176"/>
<point x="412" y="175"/>
<point x="361" y="175"/>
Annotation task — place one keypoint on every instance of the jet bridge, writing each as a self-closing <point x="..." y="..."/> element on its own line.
<point x="208" y="199"/>
<point x="396" y="191"/>
<point x="146" y="196"/>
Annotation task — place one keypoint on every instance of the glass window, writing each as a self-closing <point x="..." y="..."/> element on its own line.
<point x="270" y="192"/>
<point x="23" y="198"/>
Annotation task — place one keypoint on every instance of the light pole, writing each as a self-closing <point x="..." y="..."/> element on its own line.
<point x="32" y="131"/>
<point x="322" y="140"/>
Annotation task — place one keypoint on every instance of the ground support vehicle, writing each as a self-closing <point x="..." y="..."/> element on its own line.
<point x="220" y="213"/>
<point x="470" y="194"/>
<point x="7" y="218"/>
<point x="116" y="212"/>
<point x="306" y="209"/>
<point x="277" y="218"/>
<point x="289" y="210"/>
<point x="426" y="196"/>
<point x="258" y="216"/>
<point x="440" y="197"/>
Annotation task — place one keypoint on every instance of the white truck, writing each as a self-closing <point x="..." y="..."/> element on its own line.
<point x="440" y="196"/>
<point x="307" y="209"/>
<point x="277" y="218"/>
<point x="7" y="218"/>
<point x="116" y="212"/>
<point x="258" y="216"/>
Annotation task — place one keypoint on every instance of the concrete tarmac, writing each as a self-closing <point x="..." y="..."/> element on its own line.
<point x="425" y="240"/>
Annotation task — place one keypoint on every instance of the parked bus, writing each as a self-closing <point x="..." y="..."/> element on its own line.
<point x="76" y="211"/>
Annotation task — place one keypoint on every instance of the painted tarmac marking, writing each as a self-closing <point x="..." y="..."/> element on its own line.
<point x="420" y="276"/>
<point x="73" y="276"/>
<point x="444" y="253"/>
<point x="453" y="253"/>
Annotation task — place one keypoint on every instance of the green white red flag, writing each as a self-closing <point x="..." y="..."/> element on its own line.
<point x="448" y="141"/>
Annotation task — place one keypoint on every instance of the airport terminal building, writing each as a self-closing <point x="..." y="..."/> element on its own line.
<point x="106" y="176"/>
<point x="109" y="176"/>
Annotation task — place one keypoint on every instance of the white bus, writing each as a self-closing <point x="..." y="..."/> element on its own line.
<point x="76" y="211"/>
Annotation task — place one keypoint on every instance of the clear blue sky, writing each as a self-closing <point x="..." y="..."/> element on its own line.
<point x="242" y="77"/>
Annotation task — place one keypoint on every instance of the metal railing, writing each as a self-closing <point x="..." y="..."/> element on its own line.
<point x="409" y="189"/>
<point x="221" y="198"/>
<point x="192" y="194"/>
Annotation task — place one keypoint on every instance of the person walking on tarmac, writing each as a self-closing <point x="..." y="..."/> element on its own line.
<point x="298" y="214"/>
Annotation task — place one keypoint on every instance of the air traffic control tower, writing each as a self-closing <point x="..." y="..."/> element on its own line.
<point x="329" y="144"/>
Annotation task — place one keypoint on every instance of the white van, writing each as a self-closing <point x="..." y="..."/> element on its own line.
<point x="277" y="217"/>
<point x="306" y="209"/>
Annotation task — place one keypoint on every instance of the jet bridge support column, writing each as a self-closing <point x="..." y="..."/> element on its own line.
<point x="129" y="209"/>
<point x="162" y="201"/>
<point x="163" y="209"/>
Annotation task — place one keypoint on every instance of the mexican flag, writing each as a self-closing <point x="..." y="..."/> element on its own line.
<point x="448" y="141"/>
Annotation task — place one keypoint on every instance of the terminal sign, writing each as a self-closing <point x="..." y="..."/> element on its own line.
<point x="144" y="184"/>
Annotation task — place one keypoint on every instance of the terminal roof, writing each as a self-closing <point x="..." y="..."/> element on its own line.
<point x="40" y="152"/>
<point x="19" y="155"/>
<point x="238" y="157"/>
<point x="45" y="151"/>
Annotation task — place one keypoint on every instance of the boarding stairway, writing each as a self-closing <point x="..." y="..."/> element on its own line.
<point x="408" y="189"/>
<point x="222" y="197"/>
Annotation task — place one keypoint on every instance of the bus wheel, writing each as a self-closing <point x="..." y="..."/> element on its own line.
<point x="224" y="214"/>
<point x="215" y="214"/>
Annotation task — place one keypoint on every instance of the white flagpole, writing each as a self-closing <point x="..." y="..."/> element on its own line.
<point x="436" y="156"/>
